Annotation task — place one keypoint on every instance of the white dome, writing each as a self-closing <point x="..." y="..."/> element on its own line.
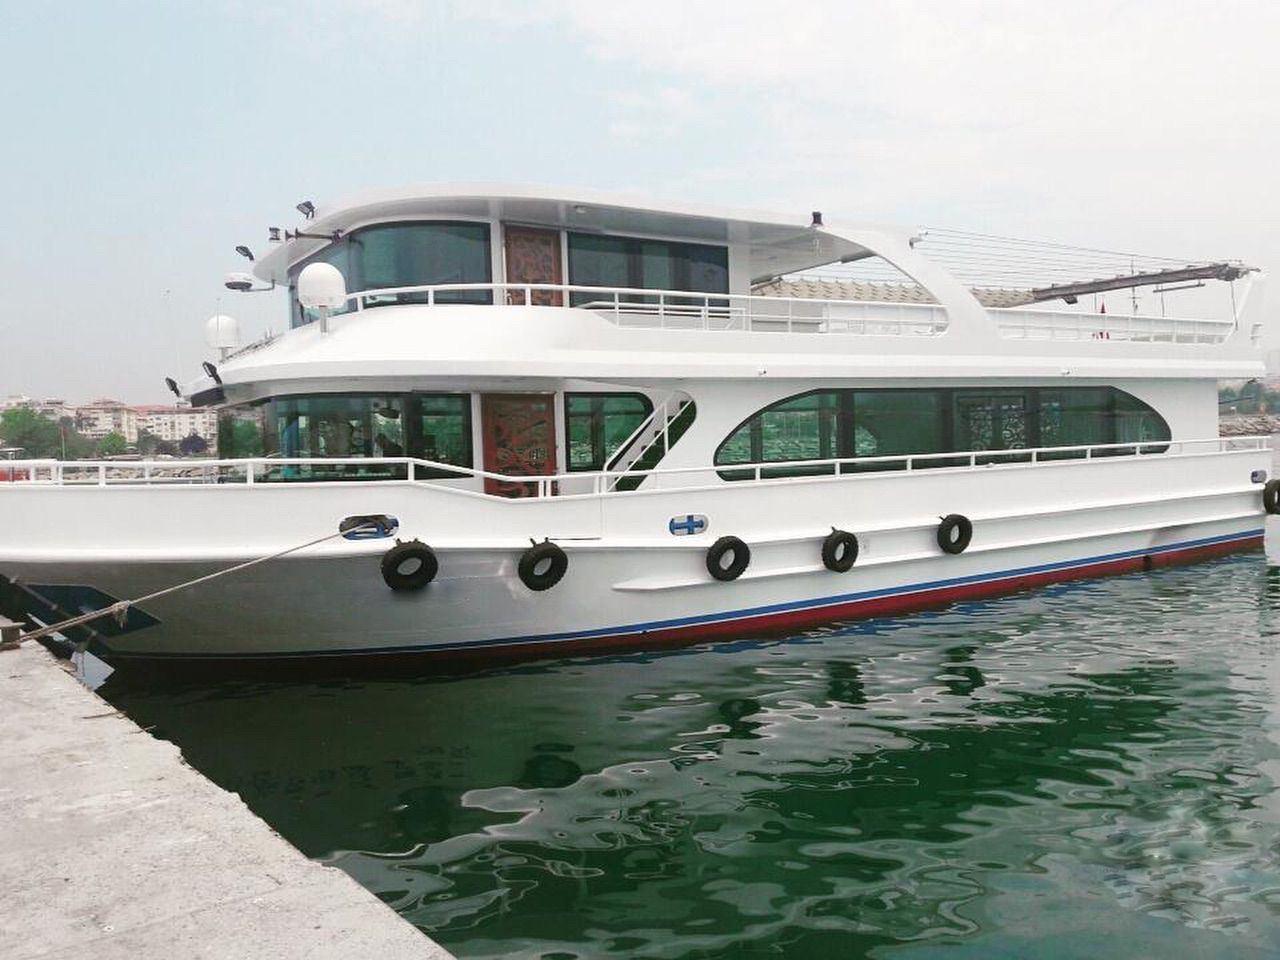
<point x="321" y="285"/>
<point x="222" y="332"/>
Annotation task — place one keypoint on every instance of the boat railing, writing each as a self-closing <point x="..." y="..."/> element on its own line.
<point x="411" y="470"/>
<point x="684" y="309"/>
<point x="644" y="308"/>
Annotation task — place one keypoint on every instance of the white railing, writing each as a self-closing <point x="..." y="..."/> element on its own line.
<point x="690" y="310"/>
<point x="1020" y="323"/>
<point x="409" y="470"/>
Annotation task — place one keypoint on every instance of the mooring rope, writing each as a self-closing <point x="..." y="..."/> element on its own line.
<point x="121" y="608"/>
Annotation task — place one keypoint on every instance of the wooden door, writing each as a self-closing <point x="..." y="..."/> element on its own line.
<point x="519" y="440"/>
<point x="533" y="256"/>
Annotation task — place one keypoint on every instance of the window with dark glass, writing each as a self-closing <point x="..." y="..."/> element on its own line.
<point x="422" y="254"/>
<point x="405" y="255"/>
<point x="352" y="427"/>
<point x="598" y="424"/>
<point x="442" y="429"/>
<point x="596" y="260"/>
<point x="835" y="424"/>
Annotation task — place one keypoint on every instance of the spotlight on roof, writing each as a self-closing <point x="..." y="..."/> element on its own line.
<point x="273" y="234"/>
<point x="307" y="209"/>
<point x="172" y="384"/>
<point x="817" y="219"/>
<point x="245" y="252"/>
<point x="211" y="371"/>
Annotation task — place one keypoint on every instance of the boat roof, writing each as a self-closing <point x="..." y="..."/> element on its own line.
<point x="775" y="243"/>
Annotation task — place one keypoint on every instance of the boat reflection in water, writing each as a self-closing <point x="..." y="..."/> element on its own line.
<point x="1084" y="771"/>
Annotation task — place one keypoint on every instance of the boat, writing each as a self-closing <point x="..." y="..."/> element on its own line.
<point x="511" y="421"/>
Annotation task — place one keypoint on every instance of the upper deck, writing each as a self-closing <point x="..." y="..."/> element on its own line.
<point x="636" y="288"/>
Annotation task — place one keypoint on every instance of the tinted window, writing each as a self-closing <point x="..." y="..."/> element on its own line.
<point x="835" y="424"/>
<point x="433" y="427"/>
<point x="602" y="261"/>
<point x="404" y="255"/>
<point x="418" y="254"/>
<point x="599" y="423"/>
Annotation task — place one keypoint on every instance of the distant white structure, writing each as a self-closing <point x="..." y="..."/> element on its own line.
<point x="105" y="416"/>
<point x="174" y="424"/>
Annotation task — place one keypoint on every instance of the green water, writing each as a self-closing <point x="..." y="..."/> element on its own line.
<point x="1085" y="771"/>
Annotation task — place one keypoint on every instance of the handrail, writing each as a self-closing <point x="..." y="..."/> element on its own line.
<point x="701" y="310"/>
<point x="600" y="481"/>
<point x="711" y="311"/>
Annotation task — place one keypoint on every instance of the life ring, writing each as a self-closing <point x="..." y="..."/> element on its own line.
<point x="839" y="551"/>
<point x="727" y="558"/>
<point x="954" y="533"/>
<point x="1271" y="496"/>
<point x="409" y="566"/>
<point x="542" y="566"/>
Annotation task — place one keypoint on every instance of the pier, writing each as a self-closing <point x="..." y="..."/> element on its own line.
<point x="115" y="847"/>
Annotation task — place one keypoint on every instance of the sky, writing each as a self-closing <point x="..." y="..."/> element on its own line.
<point x="144" y="140"/>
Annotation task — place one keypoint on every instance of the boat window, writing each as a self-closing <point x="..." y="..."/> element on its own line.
<point x="599" y="423"/>
<point x="433" y="427"/>
<point x="596" y="260"/>
<point x="404" y="255"/>
<point x="833" y="424"/>
<point x="240" y="432"/>
<point x="442" y="429"/>
<point x="416" y="254"/>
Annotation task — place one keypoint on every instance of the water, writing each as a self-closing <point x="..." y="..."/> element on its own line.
<point x="1085" y="771"/>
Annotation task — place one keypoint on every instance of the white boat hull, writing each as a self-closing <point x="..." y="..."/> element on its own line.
<point x="630" y="582"/>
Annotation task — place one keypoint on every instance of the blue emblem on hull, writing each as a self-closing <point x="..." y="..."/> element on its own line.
<point x="688" y="524"/>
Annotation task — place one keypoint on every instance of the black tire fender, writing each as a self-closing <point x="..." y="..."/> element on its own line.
<point x="735" y="551"/>
<point x="1271" y="496"/>
<point x="839" y="551"/>
<point x="409" y="566"/>
<point x="542" y="566"/>
<point x="954" y="533"/>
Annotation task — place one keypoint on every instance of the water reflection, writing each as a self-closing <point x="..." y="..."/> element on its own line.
<point x="1083" y="771"/>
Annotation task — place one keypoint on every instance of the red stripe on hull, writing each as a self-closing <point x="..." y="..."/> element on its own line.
<point x="402" y="663"/>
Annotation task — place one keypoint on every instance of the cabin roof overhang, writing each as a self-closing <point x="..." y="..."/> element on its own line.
<point x="775" y="243"/>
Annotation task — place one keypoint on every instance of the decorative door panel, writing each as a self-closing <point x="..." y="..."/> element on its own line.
<point x="533" y="256"/>
<point x="519" y="440"/>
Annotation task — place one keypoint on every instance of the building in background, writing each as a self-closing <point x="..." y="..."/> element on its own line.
<point x="104" y="416"/>
<point x="175" y="424"/>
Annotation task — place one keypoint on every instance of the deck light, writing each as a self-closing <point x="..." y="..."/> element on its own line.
<point x="245" y="252"/>
<point x="211" y="371"/>
<point x="273" y="234"/>
<point x="307" y="209"/>
<point x="817" y="219"/>
<point x="172" y="384"/>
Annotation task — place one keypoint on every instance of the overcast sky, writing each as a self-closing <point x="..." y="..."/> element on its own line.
<point x="145" y="140"/>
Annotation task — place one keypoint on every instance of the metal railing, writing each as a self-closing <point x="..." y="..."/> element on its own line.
<point x="728" y="312"/>
<point x="411" y="470"/>
<point x="1020" y="323"/>
<point x="692" y="310"/>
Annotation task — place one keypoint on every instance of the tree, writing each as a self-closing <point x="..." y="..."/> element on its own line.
<point x="193" y="445"/>
<point x="112" y="445"/>
<point x="150" y="445"/>
<point x="23" y="427"/>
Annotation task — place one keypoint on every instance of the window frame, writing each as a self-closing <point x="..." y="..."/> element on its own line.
<point x="680" y="255"/>
<point x="297" y="313"/>
<point x="606" y="457"/>
<point x="948" y="404"/>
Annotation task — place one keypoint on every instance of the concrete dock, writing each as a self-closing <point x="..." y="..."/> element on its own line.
<point x="112" y="847"/>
